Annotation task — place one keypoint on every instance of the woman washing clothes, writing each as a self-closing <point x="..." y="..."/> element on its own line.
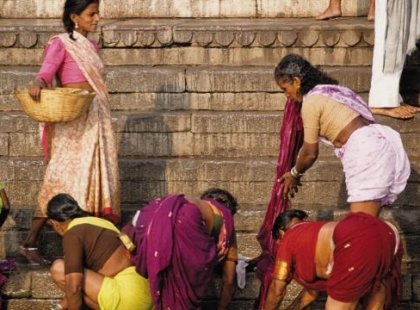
<point x="375" y="164"/>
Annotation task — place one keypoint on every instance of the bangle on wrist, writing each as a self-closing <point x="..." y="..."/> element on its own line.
<point x="296" y="174"/>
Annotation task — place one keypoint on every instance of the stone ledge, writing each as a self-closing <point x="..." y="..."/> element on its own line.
<point x="287" y="32"/>
<point x="204" y="79"/>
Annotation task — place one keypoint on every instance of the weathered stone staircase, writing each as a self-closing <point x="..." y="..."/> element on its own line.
<point x="195" y="105"/>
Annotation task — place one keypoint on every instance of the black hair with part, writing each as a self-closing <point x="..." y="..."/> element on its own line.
<point x="282" y="221"/>
<point x="74" y="7"/>
<point x="63" y="207"/>
<point x="293" y="65"/>
<point x="222" y="196"/>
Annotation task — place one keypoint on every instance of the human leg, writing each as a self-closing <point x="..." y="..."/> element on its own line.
<point x="371" y="12"/>
<point x="376" y="300"/>
<point x="384" y="96"/>
<point x="333" y="10"/>
<point x="92" y="282"/>
<point x="29" y="247"/>
<point x="333" y="304"/>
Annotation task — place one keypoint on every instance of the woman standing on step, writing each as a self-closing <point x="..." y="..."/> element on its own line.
<point x="81" y="154"/>
<point x="375" y="163"/>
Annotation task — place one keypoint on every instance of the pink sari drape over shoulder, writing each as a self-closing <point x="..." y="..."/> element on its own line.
<point x="83" y="161"/>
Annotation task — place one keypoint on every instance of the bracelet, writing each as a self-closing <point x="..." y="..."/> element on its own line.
<point x="296" y="174"/>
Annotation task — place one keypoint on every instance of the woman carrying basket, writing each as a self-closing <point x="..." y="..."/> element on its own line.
<point x="81" y="154"/>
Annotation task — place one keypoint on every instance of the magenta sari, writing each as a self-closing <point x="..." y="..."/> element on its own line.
<point x="175" y="252"/>
<point x="291" y="137"/>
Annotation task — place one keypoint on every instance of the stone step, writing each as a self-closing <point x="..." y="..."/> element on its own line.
<point x="214" y="134"/>
<point x="184" y="8"/>
<point x="202" y="79"/>
<point x="32" y="288"/>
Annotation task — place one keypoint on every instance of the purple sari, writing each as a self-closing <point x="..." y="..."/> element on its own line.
<point x="175" y="252"/>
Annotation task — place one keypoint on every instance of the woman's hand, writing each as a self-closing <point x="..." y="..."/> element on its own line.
<point x="290" y="185"/>
<point x="34" y="90"/>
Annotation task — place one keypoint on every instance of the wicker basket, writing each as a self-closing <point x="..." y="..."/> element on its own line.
<point x="56" y="105"/>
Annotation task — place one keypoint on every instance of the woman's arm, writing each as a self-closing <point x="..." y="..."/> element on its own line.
<point x="275" y="295"/>
<point x="54" y="57"/>
<point x="308" y="154"/>
<point x="228" y="284"/>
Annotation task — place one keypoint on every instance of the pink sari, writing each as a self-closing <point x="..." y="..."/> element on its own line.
<point x="83" y="159"/>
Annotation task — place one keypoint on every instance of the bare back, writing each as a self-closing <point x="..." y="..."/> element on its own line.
<point x="324" y="250"/>
<point x="116" y="263"/>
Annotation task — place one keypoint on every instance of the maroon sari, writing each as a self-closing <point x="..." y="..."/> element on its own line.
<point x="291" y="138"/>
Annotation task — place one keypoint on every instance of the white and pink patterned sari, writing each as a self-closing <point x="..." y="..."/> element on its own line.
<point x="83" y="160"/>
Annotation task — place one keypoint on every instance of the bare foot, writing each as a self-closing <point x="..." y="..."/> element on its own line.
<point x="411" y="108"/>
<point x="33" y="256"/>
<point x="329" y="13"/>
<point x="401" y="112"/>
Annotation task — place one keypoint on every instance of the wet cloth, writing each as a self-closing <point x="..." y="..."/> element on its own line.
<point x="296" y="253"/>
<point x="126" y="291"/>
<point x="291" y="138"/>
<point x="364" y="257"/>
<point x="83" y="155"/>
<point x="375" y="164"/>
<point x="175" y="252"/>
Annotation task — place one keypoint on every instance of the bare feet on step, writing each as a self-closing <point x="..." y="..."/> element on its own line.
<point x="329" y="13"/>
<point x="401" y="112"/>
<point x="33" y="256"/>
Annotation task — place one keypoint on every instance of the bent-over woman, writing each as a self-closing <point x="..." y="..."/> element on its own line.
<point x="96" y="269"/>
<point x="180" y="241"/>
<point x="375" y="164"/>
<point x="82" y="154"/>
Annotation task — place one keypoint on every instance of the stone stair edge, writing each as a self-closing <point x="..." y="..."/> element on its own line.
<point x="212" y="32"/>
<point x="127" y="121"/>
<point x="204" y="79"/>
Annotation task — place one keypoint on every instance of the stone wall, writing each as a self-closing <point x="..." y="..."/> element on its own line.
<point x="195" y="105"/>
<point x="184" y="8"/>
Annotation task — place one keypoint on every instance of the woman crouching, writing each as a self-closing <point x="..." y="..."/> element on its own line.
<point x="96" y="269"/>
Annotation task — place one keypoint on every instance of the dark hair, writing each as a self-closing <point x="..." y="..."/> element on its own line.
<point x="282" y="221"/>
<point x="74" y="7"/>
<point x="63" y="207"/>
<point x="222" y="196"/>
<point x="296" y="66"/>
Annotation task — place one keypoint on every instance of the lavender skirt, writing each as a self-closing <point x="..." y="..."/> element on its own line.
<point x="375" y="164"/>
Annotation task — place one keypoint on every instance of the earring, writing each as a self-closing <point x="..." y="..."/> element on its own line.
<point x="76" y="25"/>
